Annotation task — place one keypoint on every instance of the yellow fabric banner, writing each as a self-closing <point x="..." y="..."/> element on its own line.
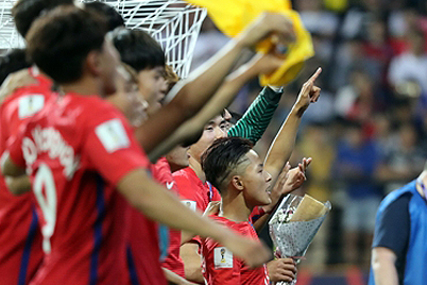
<point x="232" y="16"/>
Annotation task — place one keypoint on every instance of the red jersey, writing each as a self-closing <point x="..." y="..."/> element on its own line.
<point x="193" y="191"/>
<point x="20" y="237"/>
<point x="173" y="261"/>
<point x="76" y="150"/>
<point x="222" y="268"/>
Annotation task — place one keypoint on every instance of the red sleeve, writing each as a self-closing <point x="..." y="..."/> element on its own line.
<point x="215" y="195"/>
<point x="186" y="191"/>
<point x="14" y="147"/>
<point x="188" y="196"/>
<point x="112" y="148"/>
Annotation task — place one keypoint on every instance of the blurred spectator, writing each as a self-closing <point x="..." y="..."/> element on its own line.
<point x="323" y="47"/>
<point x="360" y="100"/>
<point x="384" y="135"/>
<point x="356" y="162"/>
<point x="404" y="161"/>
<point x="318" y="144"/>
<point x="357" y="18"/>
<point x="377" y="49"/>
<point x="411" y="65"/>
<point x="348" y="55"/>
<point x="312" y="14"/>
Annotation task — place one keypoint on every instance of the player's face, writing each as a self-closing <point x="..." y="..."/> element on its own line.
<point x="153" y="87"/>
<point x="256" y="181"/>
<point x="109" y="61"/>
<point x="215" y="129"/>
<point x="128" y="99"/>
<point x="178" y="158"/>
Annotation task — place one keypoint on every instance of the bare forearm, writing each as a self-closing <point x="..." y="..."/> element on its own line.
<point x="159" y="204"/>
<point x="281" y="149"/>
<point x="18" y="185"/>
<point x="174" y="278"/>
<point x="385" y="273"/>
<point x="186" y="237"/>
<point x="383" y="265"/>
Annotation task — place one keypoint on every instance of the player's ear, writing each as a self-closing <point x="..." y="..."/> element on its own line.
<point x="93" y="63"/>
<point x="237" y="182"/>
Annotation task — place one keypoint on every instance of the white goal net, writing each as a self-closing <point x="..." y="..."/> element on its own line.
<point x="175" y="24"/>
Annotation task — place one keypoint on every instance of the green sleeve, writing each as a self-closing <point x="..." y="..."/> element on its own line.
<point x="256" y="119"/>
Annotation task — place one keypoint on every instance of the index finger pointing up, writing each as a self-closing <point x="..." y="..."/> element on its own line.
<point x="315" y="75"/>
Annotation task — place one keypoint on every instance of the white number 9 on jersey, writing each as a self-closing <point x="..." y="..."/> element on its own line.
<point x="44" y="179"/>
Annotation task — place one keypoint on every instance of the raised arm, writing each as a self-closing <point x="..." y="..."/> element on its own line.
<point x="283" y="144"/>
<point x="189" y="96"/>
<point x="223" y="97"/>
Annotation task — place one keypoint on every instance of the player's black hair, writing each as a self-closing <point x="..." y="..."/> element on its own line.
<point x="25" y="12"/>
<point x="14" y="60"/>
<point x="114" y="19"/>
<point x="138" y="49"/>
<point x="235" y="117"/>
<point x="60" y="41"/>
<point x="222" y="157"/>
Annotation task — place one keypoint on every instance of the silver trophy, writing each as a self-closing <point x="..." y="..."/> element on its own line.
<point x="294" y="225"/>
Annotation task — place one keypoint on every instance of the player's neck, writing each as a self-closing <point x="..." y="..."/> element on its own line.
<point x="197" y="167"/>
<point x="234" y="207"/>
<point x="85" y="86"/>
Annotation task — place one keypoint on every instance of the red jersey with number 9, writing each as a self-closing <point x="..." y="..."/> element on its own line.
<point x="20" y="238"/>
<point x="77" y="149"/>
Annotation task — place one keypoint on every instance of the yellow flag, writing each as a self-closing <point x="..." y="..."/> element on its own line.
<point x="232" y="17"/>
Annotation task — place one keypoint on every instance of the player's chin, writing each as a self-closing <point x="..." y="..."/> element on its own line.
<point x="265" y="200"/>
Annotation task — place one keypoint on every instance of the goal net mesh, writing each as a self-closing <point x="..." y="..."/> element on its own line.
<point x="175" y="24"/>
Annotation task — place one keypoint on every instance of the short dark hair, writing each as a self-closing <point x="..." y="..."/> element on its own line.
<point x="114" y="19"/>
<point x="138" y="49"/>
<point x="25" y="12"/>
<point x="60" y="41"/>
<point x="14" y="60"/>
<point x="222" y="157"/>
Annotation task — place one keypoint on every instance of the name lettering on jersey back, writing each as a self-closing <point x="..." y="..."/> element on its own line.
<point x="49" y="140"/>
